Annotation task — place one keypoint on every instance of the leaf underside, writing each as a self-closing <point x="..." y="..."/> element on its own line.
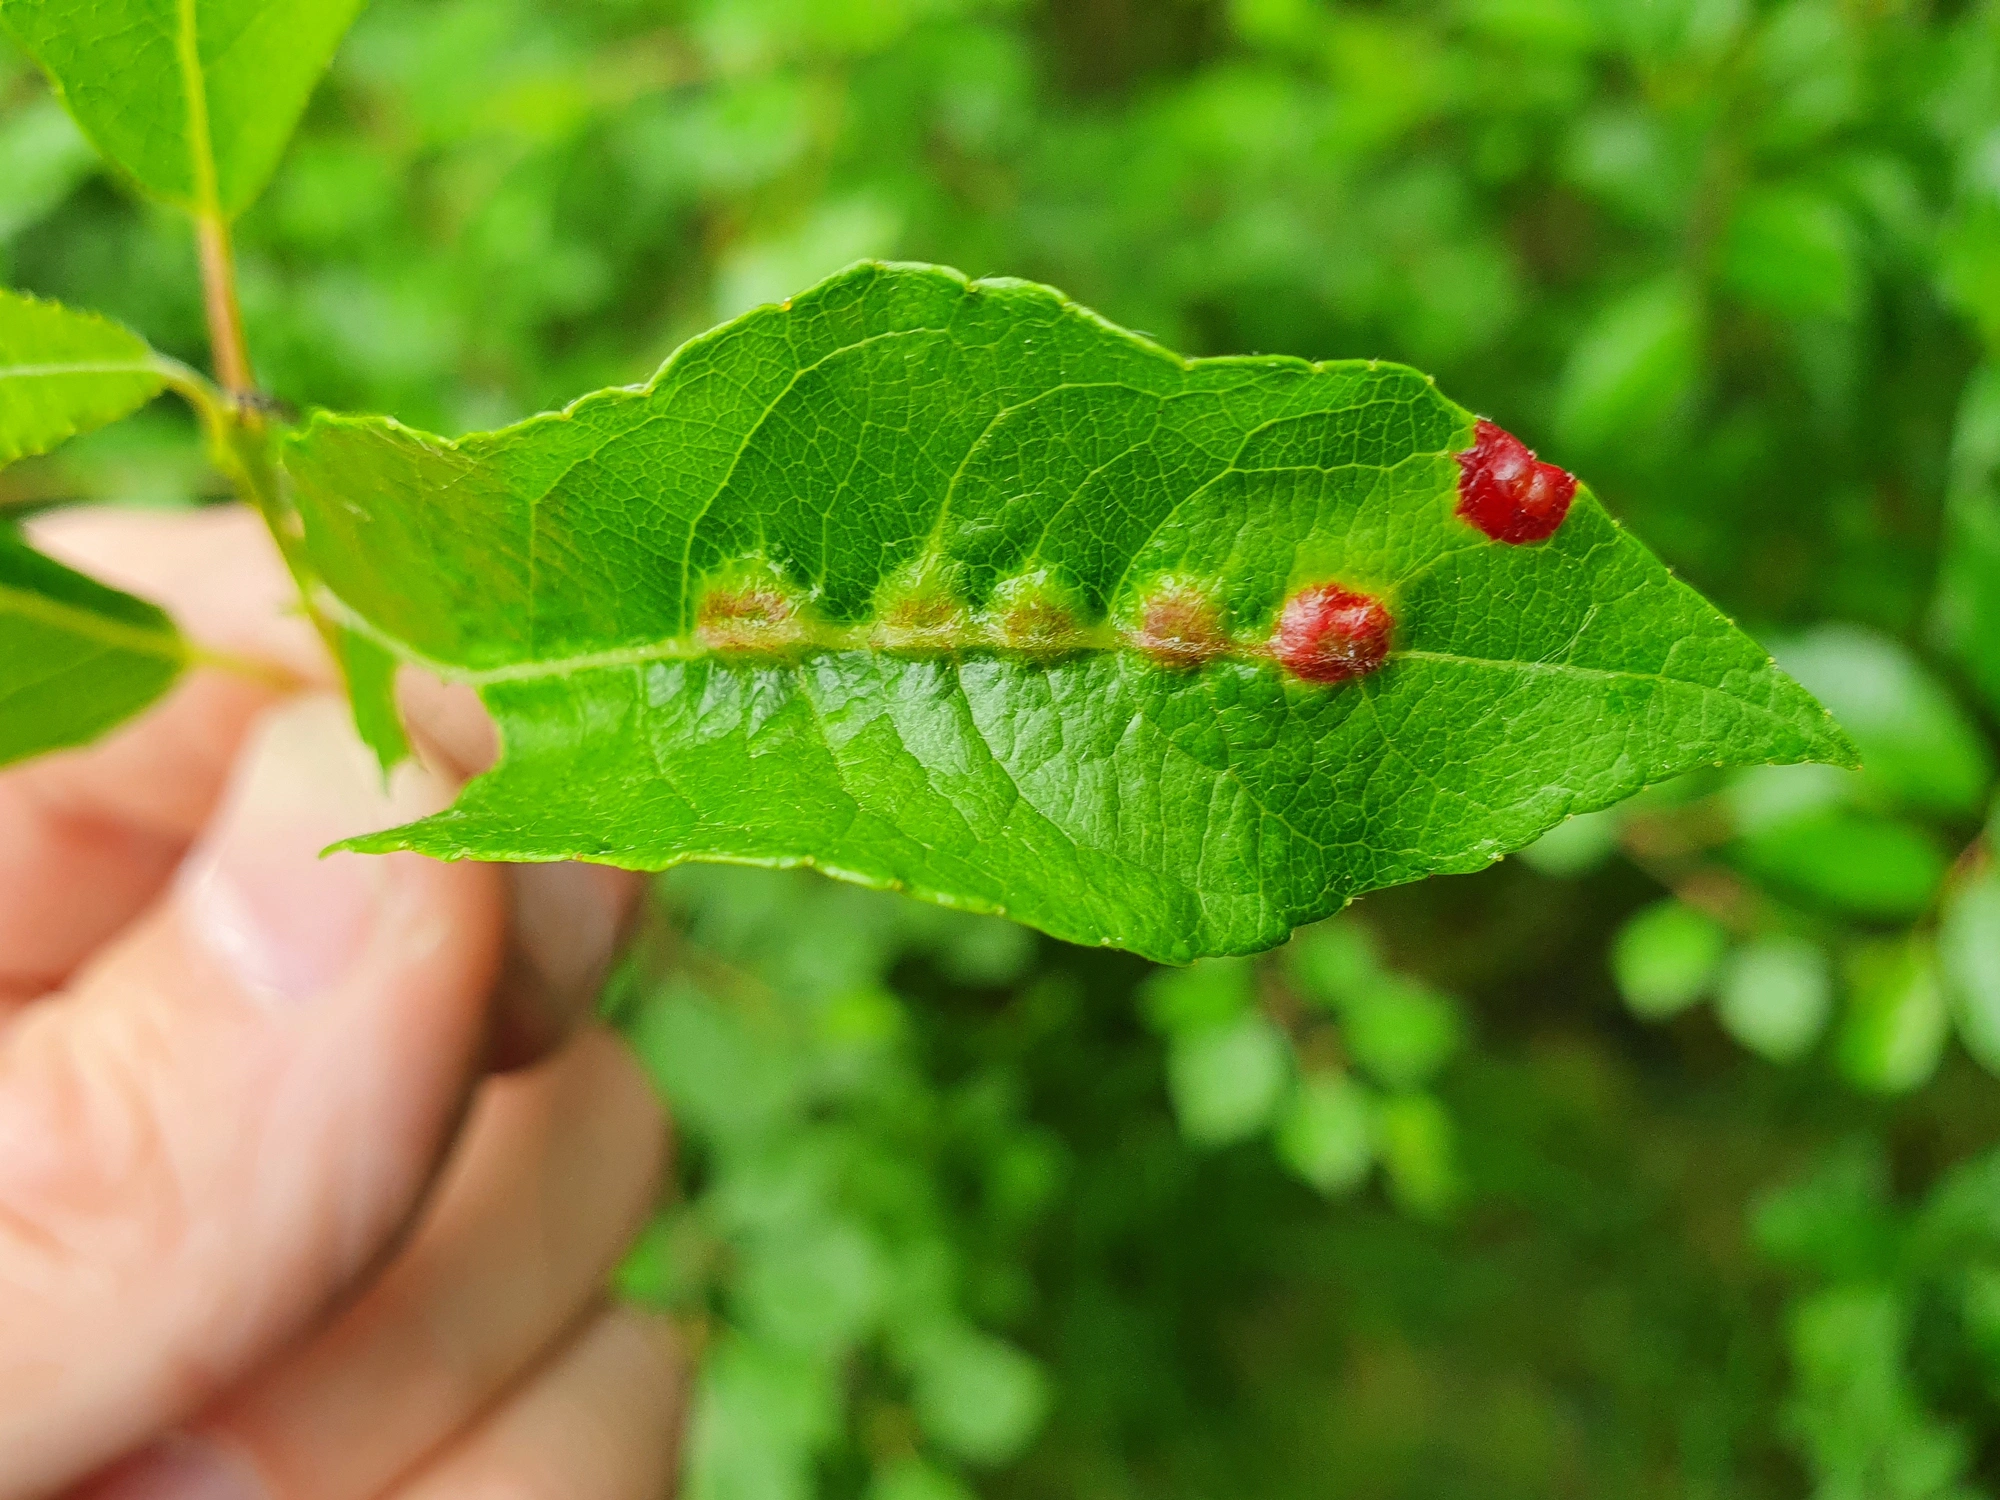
<point x="64" y="372"/>
<point x="948" y="507"/>
<point x="76" y="658"/>
<point x="194" y="99"/>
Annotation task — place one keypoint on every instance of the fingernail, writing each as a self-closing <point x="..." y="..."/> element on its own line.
<point x="562" y="938"/>
<point x="177" y="1468"/>
<point x="257" y="891"/>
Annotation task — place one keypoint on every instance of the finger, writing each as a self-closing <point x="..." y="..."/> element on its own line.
<point x="602" y="1422"/>
<point x="88" y="837"/>
<point x="231" y="1112"/>
<point x="568" y="919"/>
<point x="550" y="1183"/>
<point x="448" y="722"/>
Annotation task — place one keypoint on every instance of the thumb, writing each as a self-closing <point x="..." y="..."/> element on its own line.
<point x="233" y="1109"/>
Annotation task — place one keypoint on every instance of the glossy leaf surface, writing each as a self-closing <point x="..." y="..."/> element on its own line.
<point x="64" y="372"/>
<point x="194" y="99"/>
<point x="76" y="657"/>
<point x="875" y="581"/>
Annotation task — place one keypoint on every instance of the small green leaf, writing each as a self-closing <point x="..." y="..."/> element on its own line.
<point x="1792" y="252"/>
<point x="76" y="658"/>
<point x="1853" y="862"/>
<point x="1401" y="1032"/>
<point x="195" y="99"/>
<point x="46" y="158"/>
<point x="1227" y="1080"/>
<point x="1775" y="995"/>
<point x="1968" y="603"/>
<point x="976" y="1397"/>
<point x="1334" y="961"/>
<point x="1417" y="1144"/>
<point x="1633" y="367"/>
<point x="1575" y="846"/>
<point x="370" y="673"/>
<point x="1969" y="955"/>
<point x="1327" y="1134"/>
<point x="816" y="1288"/>
<point x="1665" y="958"/>
<point x="1211" y="993"/>
<point x="1918" y="745"/>
<point x="862" y="582"/>
<point x="759" y="1416"/>
<point x="1894" y="1031"/>
<point x="913" y="1479"/>
<point x="64" y="372"/>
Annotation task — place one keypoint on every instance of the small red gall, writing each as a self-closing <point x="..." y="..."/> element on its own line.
<point x="1506" y="492"/>
<point x="1179" y="628"/>
<point x="1330" y="634"/>
<point x="753" y="618"/>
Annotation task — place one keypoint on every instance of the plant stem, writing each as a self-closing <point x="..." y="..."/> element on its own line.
<point x="218" y="295"/>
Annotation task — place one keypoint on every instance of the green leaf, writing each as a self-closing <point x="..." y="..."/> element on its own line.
<point x="913" y="1479"/>
<point x="1575" y="846"/>
<point x="1665" y="958"/>
<point x="1919" y="747"/>
<point x="759" y="1416"/>
<point x="977" y="1398"/>
<point x="1968" y="602"/>
<point x="1227" y="1080"/>
<point x="816" y="1287"/>
<point x="1401" y="1032"/>
<point x="949" y="502"/>
<point x="1417" y="1145"/>
<point x="1633" y="367"/>
<point x="76" y="658"/>
<point x="1204" y="994"/>
<point x="1334" y="961"/>
<point x="1775" y="995"/>
<point x="370" y="674"/>
<point x="1894" y="1032"/>
<point x="1327" y="1134"/>
<point x="195" y="99"/>
<point x="46" y="158"/>
<point x="1969" y="955"/>
<point x="1792" y="252"/>
<point x="64" y="372"/>
<point x="1850" y="861"/>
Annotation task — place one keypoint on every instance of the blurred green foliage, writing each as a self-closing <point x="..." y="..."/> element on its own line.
<point x="1655" y="1163"/>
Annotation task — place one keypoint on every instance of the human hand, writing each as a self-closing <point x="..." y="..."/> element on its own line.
<point x="270" y="1229"/>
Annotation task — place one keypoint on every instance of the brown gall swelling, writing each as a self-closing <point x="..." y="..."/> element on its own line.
<point x="1179" y="628"/>
<point x="752" y="619"/>
<point x="1032" y="622"/>
<point x="929" y="620"/>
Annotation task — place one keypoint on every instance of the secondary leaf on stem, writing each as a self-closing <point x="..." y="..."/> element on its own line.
<point x="954" y="587"/>
<point x="76" y="657"/>
<point x="195" y="99"/>
<point x="64" y="372"/>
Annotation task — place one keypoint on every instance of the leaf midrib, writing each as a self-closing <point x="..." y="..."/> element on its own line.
<point x="1099" y="638"/>
<point x="194" y="86"/>
<point x="48" y="371"/>
<point x="161" y="641"/>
